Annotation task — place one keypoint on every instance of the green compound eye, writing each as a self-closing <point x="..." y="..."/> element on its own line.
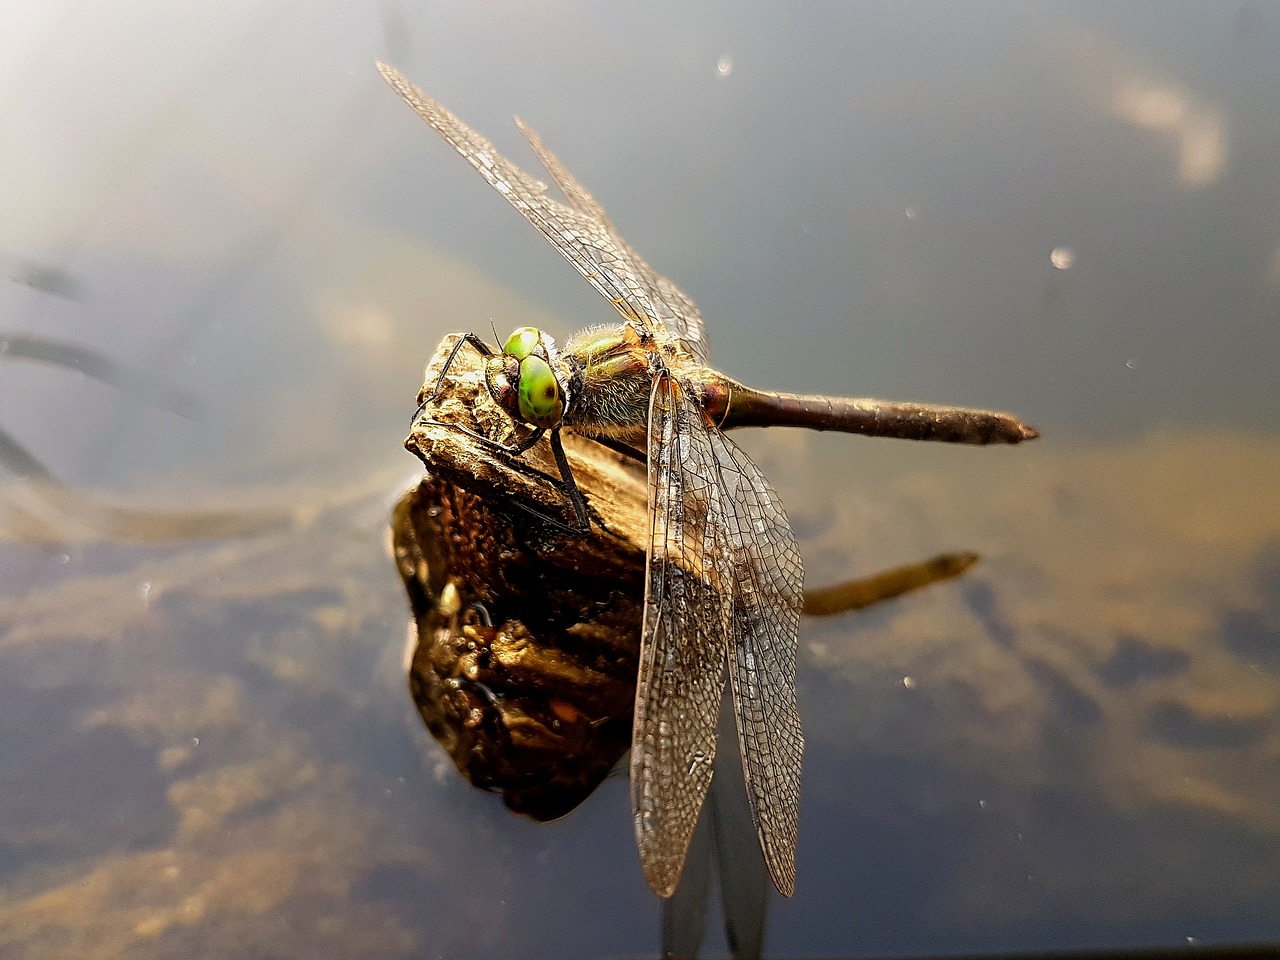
<point x="522" y="342"/>
<point x="540" y="402"/>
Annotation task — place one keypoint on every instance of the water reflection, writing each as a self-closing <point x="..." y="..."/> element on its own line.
<point x="1084" y="723"/>
<point x="1105" y="703"/>
<point x="1193" y="128"/>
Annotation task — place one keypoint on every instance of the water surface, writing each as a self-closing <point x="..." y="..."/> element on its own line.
<point x="1065" y="210"/>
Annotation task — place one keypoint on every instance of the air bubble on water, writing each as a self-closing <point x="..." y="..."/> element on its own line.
<point x="1062" y="258"/>
<point x="909" y="682"/>
<point x="724" y="65"/>
<point x="1131" y="364"/>
<point x="911" y="213"/>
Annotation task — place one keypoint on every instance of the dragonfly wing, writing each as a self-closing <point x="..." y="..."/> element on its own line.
<point x="579" y="197"/>
<point x="685" y="320"/>
<point x="683" y="642"/>
<point x="585" y="240"/>
<point x="767" y="577"/>
<point x="679" y="313"/>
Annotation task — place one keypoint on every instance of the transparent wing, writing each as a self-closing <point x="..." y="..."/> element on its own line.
<point x="763" y="560"/>
<point x="723" y="562"/>
<point x="679" y="313"/>
<point x="585" y="239"/>
<point x="682" y="647"/>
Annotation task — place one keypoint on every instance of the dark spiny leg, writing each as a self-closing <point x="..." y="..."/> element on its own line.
<point x="568" y="486"/>
<point x="481" y="347"/>
<point x="511" y="450"/>
<point x="569" y="489"/>
<point x="528" y="442"/>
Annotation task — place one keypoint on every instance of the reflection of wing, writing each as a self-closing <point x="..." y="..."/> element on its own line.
<point x="723" y="562"/>
<point x="72" y="356"/>
<point x="682" y="646"/>
<point x="724" y="845"/>
<point x="677" y="311"/>
<point x="584" y="239"/>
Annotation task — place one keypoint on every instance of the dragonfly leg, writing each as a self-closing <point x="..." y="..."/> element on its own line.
<point x="481" y="348"/>
<point x="510" y="449"/>
<point x="568" y="486"/>
<point x="527" y="443"/>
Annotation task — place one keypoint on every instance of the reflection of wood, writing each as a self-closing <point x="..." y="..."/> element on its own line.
<point x="525" y="665"/>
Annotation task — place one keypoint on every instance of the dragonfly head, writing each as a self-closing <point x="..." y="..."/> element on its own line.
<point x="523" y="381"/>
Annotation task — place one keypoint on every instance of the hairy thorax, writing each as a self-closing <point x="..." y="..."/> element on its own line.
<point x="616" y="379"/>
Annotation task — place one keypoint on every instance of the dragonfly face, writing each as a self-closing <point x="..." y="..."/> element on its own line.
<point x="523" y="382"/>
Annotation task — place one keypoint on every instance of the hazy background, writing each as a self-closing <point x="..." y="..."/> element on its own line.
<point x="1070" y="210"/>
<point x="863" y="198"/>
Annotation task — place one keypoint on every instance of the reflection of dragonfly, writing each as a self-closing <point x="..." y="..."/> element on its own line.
<point x="104" y="518"/>
<point x="723" y="587"/>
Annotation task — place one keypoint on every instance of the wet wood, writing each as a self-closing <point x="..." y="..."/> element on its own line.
<point x="448" y="437"/>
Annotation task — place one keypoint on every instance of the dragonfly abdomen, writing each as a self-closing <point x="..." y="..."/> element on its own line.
<point x="748" y="407"/>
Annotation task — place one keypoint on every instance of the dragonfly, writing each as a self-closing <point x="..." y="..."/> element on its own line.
<point x="524" y="642"/>
<point x="723" y="588"/>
